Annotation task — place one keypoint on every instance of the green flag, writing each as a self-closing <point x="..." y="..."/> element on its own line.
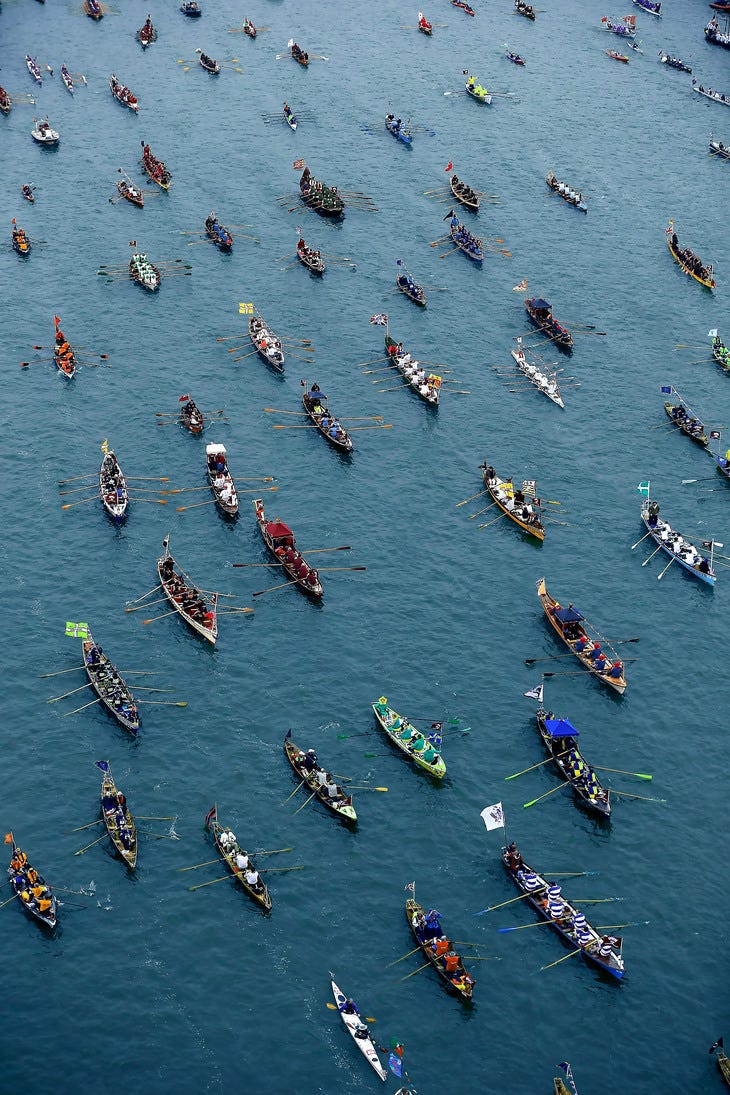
<point x="77" y="631"/>
<point x="643" y="488"/>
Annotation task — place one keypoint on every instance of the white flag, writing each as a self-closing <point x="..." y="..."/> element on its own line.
<point x="536" y="692"/>
<point x="410" y="886"/>
<point x="712" y="333"/>
<point x="493" y="816"/>
<point x="379" y="319"/>
<point x="529" y="487"/>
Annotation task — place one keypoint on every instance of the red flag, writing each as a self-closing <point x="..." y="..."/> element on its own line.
<point x="448" y="166"/>
<point x="9" y="838"/>
<point x="183" y="398"/>
<point x="57" y="320"/>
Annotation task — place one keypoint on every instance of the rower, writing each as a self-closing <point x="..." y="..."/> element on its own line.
<point x="242" y="861"/>
<point x="451" y="962"/>
<point x="440" y="947"/>
<point x="348" y="1007"/>
<point x="252" y="878"/>
<point x="309" y="760"/>
<point x="514" y="858"/>
<point x="530" y="881"/>
<point x="605" y="947"/>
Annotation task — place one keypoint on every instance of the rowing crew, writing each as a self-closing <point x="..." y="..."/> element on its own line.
<point x="316" y="774"/>
<point x="692" y="426"/>
<point x="463" y="236"/>
<point x="244" y="866"/>
<point x="428" y="932"/>
<point x="512" y="500"/>
<point x="186" y="597"/>
<point x="32" y="889"/>
<point x="673" y="542"/>
<point x="423" y="382"/>
<point x="294" y="561"/>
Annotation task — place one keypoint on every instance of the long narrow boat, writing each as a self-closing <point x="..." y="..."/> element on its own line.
<point x="721" y="352"/>
<point x="130" y="192"/>
<point x="5" y="101"/>
<point x="67" y="79"/>
<point x="199" y="610"/>
<point x="147" y="33"/>
<point x="357" y="1028"/>
<point x="708" y="93"/>
<point x="572" y="627"/>
<point x="398" y="130"/>
<point x="63" y="354"/>
<point x="541" y="314"/>
<point x="299" y="55"/>
<point x="155" y="169"/>
<point x="310" y="258"/>
<point x="526" y="514"/>
<point x="34" y="68"/>
<point x="144" y="272"/>
<point x="280" y="541"/>
<point x="208" y="63"/>
<point x="316" y="406"/>
<point x="617" y="56"/>
<point x="545" y="382"/>
<point x="547" y="900"/>
<point x="249" y="29"/>
<point x="33" y="892"/>
<point x="719" y="149"/>
<point x="652" y="7"/>
<point x="228" y="847"/>
<point x="319" y="196"/>
<point x="215" y="231"/>
<point x="410" y="288"/>
<point x="687" y="260"/>
<point x="26" y="190"/>
<point x="424" y="26"/>
<point x="449" y="965"/>
<point x="290" y="117"/>
<point x="523" y="9"/>
<point x="21" y="241"/>
<point x="714" y="35"/>
<point x="318" y="781"/>
<point x="559" y="738"/>
<point x="471" y="245"/>
<point x="191" y="417"/>
<point x="110" y="686"/>
<point x="673" y="62"/>
<point x="476" y="91"/>
<point x="122" y="94"/>
<point x="464" y="193"/>
<point x="113" y="487"/>
<point x="560" y="1086"/>
<point x="685" y="420"/>
<point x="723" y="1060"/>
<point x="403" y="734"/>
<point x="681" y="551"/>
<point x="625" y="29"/>
<point x="191" y="8"/>
<point x="567" y="193"/>
<point x="117" y="817"/>
<point x="268" y="345"/>
<point x="428" y="385"/>
<point x="221" y="480"/>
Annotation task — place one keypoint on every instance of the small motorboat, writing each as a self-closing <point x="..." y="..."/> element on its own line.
<point x="43" y="133"/>
<point x="27" y="191"/>
<point x="191" y="8"/>
<point x="208" y="63"/>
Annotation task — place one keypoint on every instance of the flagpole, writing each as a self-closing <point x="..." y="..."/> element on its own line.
<point x="712" y="551"/>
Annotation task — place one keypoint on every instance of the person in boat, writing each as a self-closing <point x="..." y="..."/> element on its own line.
<point x="616" y="670"/>
<point x="451" y="962"/>
<point x="348" y="1007"/>
<point x="432" y="925"/>
<point x="252" y="878"/>
<point x="440" y="947"/>
<point x="514" y="857"/>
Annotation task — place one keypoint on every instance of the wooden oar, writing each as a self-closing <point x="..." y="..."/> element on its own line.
<point x="401" y="958"/>
<point x="494" y="522"/>
<point x="77" y="709"/>
<point x="511" y="901"/>
<point x="70" y="505"/>
<point x="552" y="792"/>
<point x="166" y="703"/>
<point x="538" y="765"/>
<point x="415" y="972"/>
<point x="666" y="568"/>
<point x="149" y="591"/>
<point x="154" y="618"/>
<point x="559" y="960"/>
<point x="90" y="825"/>
<point x="642" y="538"/>
<point x="321" y="570"/>
<point x="90" y="475"/>
<point x="148" y="604"/>
<point x="615" y="642"/>
<point x="297" y="788"/>
<point x="55" y="699"/>
<point x="271" y="589"/>
<point x="60" y="672"/>
<point x="196" y="865"/>
<point x="479" y="512"/>
<point x="18" y="895"/>
<point x="656" y="552"/>
<point x="463" y="503"/>
<point x="279" y="870"/>
<point x="307" y="801"/>
<point x="82" y="850"/>
<point x="202" y="885"/>
<point x="273" y="851"/>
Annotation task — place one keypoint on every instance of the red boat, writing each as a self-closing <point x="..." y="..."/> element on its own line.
<point x="147" y="33"/>
<point x="463" y="6"/>
<point x="423" y="24"/>
<point x="617" y="56"/>
<point x="724" y="7"/>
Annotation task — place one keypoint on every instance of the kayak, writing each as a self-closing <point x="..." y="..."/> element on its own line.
<point x="358" y="1031"/>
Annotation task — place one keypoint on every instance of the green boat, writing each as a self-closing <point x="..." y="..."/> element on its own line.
<point x="412" y="742"/>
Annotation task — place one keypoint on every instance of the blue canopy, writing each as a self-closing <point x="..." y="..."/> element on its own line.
<point x="568" y="615"/>
<point x="560" y="728"/>
<point x="538" y="302"/>
<point x="316" y="395"/>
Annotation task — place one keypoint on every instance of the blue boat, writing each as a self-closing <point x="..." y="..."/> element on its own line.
<point x="681" y="551"/>
<point x="398" y="129"/>
<point x="189" y="7"/>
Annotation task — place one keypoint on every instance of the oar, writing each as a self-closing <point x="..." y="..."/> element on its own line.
<point x="141" y="608"/>
<point x="479" y="512"/>
<point x="166" y="703"/>
<point x="12" y="899"/>
<point x="70" y="505"/>
<point x="60" y="672"/>
<point x="656" y="552"/>
<point x="615" y="642"/>
<point x="415" y="972"/>
<point x="643" y="798"/>
<point x="55" y="699"/>
<point x="90" y="475"/>
<point x="279" y="870"/>
<point x="463" y="503"/>
<point x="621" y="772"/>
<point x="368" y="1018"/>
<point x="77" y="709"/>
<point x="649" y="533"/>
<point x="155" y="618"/>
<point x="323" y="570"/>
<point x="356" y="787"/>
<point x="521" y="897"/>
<point x="666" y="568"/>
<point x="153" y="817"/>
<point x="559" y="960"/>
<point x="273" y="851"/>
<point x="305" y="803"/>
<point x="272" y="588"/>
<point x="297" y="788"/>
<point x="552" y="792"/>
<point x="154" y="590"/>
<point x="538" y="765"/>
<point x="523" y="927"/>
<point x="494" y="522"/>
<point x="202" y="885"/>
<point x="196" y="865"/>
<point x="82" y="850"/>
<point x="401" y="958"/>
<point x="90" y="825"/>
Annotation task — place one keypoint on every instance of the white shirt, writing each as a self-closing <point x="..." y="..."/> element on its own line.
<point x="242" y="861"/>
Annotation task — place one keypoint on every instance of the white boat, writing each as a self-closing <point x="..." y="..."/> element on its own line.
<point x="680" y="550"/>
<point x="478" y="92"/>
<point x="427" y="385"/>
<point x="43" y="132"/>
<point x="546" y="382"/>
<point x="268" y="345"/>
<point x="358" y="1031"/>
<point x="113" y="487"/>
<point x="67" y="80"/>
<point x="34" y="68"/>
<point x="709" y="93"/>
<point x="719" y="149"/>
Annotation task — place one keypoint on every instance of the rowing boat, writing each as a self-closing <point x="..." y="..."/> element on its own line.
<point x="199" y="610"/>
<point x="560" y="1087"/>
<point x="220" y="480"/>
<point x="26" y="190"/>
<point x="688" y="261"/>
<point x="549" y="903"/>
<point x="357" y="1028"/>
<point x="310" y="258"/>
<point x="299" y="55"/>
<point x="93" y="9"/>
<point x="653" y="7"/>
<point x="21" y="242"/>
<point x="567" y="193"/>
<point x="525" y="514"/>
<point x="280" y="541"/>
<point x="673" y="62"/>
<point x="461" y="236"/>
<point x="191" y="8"/>
<point x="267" y="344"/>
<point x="691" y="426"/>
<point x="30" y="888"/>
<point x="721" y="352"/>
<point x="464" y="193"/>
<point x="208" y="63"/>
<point x="477" y="91"/>
<point x="316" y="406"/>
<point x="122" y="94"/>
<point x="228" y="847"/>
<point x="540" y="312"/>
<point x="559" y="738"/>
<point x="67" y="79"/>
<point x="714" y="35"/>
<point x="215" y="231"/>
<point x="146" y="34"/>
<point x="723" y="1060"/>
<point x="63" y="355"/>
<point x="398" y="130"/>
<point x="155" y="169"/>
<point x="403" y="734"/>
<point x="5" y="101"/>
<point x="423" y="25"/>
<point x="626" y="29"/>
<point x="545" y="382"/>
<point x="110" y="686"/>
<point x="117" y="818"/>
<point x="192" y="417"/>
<point x="411" y="289"/>
<point x="318" y="781"/>
<point x="719" y="149"/>
<point x="290" y="117"/>
<point x="617" y="56"/>
<point x="320" y="197"/>
<point x="572" y="627"/>
<point x="130" y="192"/>
<point x="249" y="28"/>
<point x="515" y="58"/>
<point x="708" y="93"/>
<point x="34" y="68"/>
<point x="427" y="385"/>
<point x="524" y="9"/>
<point x="681" y="551"/>
<point x="144" y="272"/>
<point x="449" y="965"/>
<point x="113" y="487"/>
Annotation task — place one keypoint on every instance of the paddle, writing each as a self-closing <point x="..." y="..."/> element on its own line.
<point x="666" y="568"/>
<point x="479" y="512"/>
<point x="70" y="505"/>
<point x="297" y="788"/>
<point x="656" y="552"/>
<point x="356" y="787"/>
<point x="77" y="709"/>
<point x="55" y="699"/>
<point x="305" y="803"/>
<point x="649" y="533"/>
<point x="521" y="897"/>
<point x="154" y="590"/>
<point x="9" y="899"/>
<point x="368" y="1018"/>
<point x="559" y="960"/>
<point x="402" y="957"/>
<point x="202" y="885"/>
<point x="463" y="503"/>
<point x="90" y="825"/>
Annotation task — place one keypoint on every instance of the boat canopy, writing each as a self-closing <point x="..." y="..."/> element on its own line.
<point x="539" y="303"/>
<point x="316" y="395"/>
<point x="213" y="449"/>
<point x="560" y="728"/>
<point x="278" y="528"/>
<point x="568" y="615"/>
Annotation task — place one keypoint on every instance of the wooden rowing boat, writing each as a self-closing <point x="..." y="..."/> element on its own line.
<point x="130" y="192"/>
<point x="42" y="906"/>
<point x="719" y="149"/>
<point x="299" y="55"/>
<point x="688" y="424"/>
<point x="317" y="780"/>
<point x="122" y="94"/>
<point x="93" y="9"/>
<point x="464" y="193"/>
<point x="192" y="417"/>
<point x="290" y="117"/>
<point x="560" y="1087"/>
<point x="415" y="745"/>
<point x="567" y="193"/>
<point x="673" y="62"/>
<point x="26" y="190"/>
<point x="155" y="169"/>
<point x="33" y="68"/>
<point x="267" y="344"/>
<point x="466" y="8"/>
<point x="424" y="26"/>
<point x="545" y="382"/>
<point x="191" y="8"/>
<point x="309" y="258"/>
<point x="549" y="903"/>
<point x="357" y="1028"/>
<point x="220" y="236"/>
<point x="688" y="261"/>
<point x="410" y="288"/>
<point x="280" y="541"/>
<point x="723" y="1062"/>
<point x="67" y="79"/>
<point x="476" y="91"/>
<point x="721" y="353"/>
<point x="465" y="241"/>
<point x="316" y="406"/>
<point x="572" y="627"/>
<point x="144" y="272"/>
<point x="525" y="9"/>
<point x="457" y="980"/>
<point x="113" y="487"/>
<point x="715" y="36"/>
<point x="208" y="63"/>
<point x="229" y="849"/>
<point x="526" y="514"/>
<point x="21" y="242"/>
<point x="559" y="738"/>
<point x="323" y="199"/>
<point x="5" y="101"/>
<point x="617" y="56"/>
<point x="224" y="492"/>
<point x="249" y="28"/>
<point x="110" y="686"/>
<point x="650" y="6"/>
<point x="199" y="610"/>
<point x="63" y="355"/>
<point x="396" y="128"/>
<point x="146" y="34"/>
<point x="681" y="551"/>
<point x="427" y="385"/>
<point x="540" y="312"/>
<point x="117" y="818"/>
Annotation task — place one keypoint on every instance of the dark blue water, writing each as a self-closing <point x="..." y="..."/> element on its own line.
<point x="173" y="991"/>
